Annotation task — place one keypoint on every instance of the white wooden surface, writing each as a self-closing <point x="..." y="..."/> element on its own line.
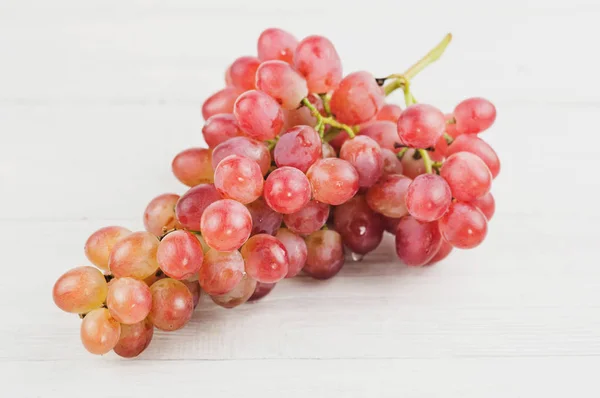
<point x="97" y="96"/>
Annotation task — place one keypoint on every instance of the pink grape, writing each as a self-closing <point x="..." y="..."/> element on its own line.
<point x="303" y="115"/>
<point x="243" y="146"/>
<point x="412" y="167"/>
<point x="317" y="60"/>
<point x="194" y="288"/>
<point x="100" y="243"/>
<point x="339" y="139"/>
<point x="391" y="224"/>
<point x="100" y="332"/>
<point x="287" y="190"/>
<point x="475" y="145"/>
<point x="357" y="99"/>
<point x="226" y="225"/>
<point x="238" y="295"/>
<point x="266" y="258"/>
<point x="159" y="215"/>
<point x="221" y="272"/>
<point x="264" y="219"/>
<point x="180" y="255"/>
<point x="134" y="256"/>
<point x="278" y="44"/>
<point x="220" y="102"/>
<point x="334" y="181"/>
<point x="239" y="178"/>
<point x="360" y="227"/>
<point x="308" y="219"/>
<point x="299" y="147"/>
<point x="364" y="154"/>
<point x="325" y="256"/>
<point x="242" y="72"/>
<point x="258" y="115"/>
<point x="80" y="290"/>
<point x="296" y="251"/>
<point x="193" y="166"/>
<point x="327" y="151"/>
<point x="442" y="253"/>
<point x="421" y="125"/>
<point x="474" y="115"/>
<point x="282" y="82"/>
<point x="387" y="196"/>
<point x="261" y="290"/>
<point x="464" y="226"/>
<point x="417" y="241"/>
<point x="134" y="339"/>
<point x="389" y="112"/>
<point x="172" y="304"/>
<point x="219" y="128"/>
<point x="383" y="132"/>
<point x="391" y="163"/>
<point x="129" y="300"/>
<point x="468" y="176"/>
<point x="486" y="204"/>
<point x="191" y="205"/>
<point x="428" y="197"/>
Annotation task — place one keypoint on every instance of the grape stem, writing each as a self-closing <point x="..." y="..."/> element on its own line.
<point x="322" y="121"/>
<point x="401" y="153"/>
<point x="426" y="160"/>
<point x="448" y="138"/>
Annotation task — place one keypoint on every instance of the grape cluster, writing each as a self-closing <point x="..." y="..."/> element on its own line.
<point x="302" y="164"/>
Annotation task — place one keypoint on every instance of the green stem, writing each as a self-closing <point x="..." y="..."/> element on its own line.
<point x="401" y="153"/>
<point x="271" y="143"/>
<point x="448" y="138"/>
<point x="322" y="121"/>
<point x="426" y="160"/>
<point x="326" y="98"/>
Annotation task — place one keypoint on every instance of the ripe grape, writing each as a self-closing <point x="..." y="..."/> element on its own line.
<point x="475" y="145"/>
<point x="238" y="295"/>
<point x="193" y="166"/>
<point x="383" y="132"/>
<point x="134" y="256"/>
<point x="261" y="290"/>
<point x="221" y="271"/>
<point x="80" y="290"/>
<point x="278" y="44"/>
<point x="242" y="72"/>
<point x="266" y="258"/>
<point x="99" y="331"/>
<point x="317" y="60"/>
<point x="101" y="242"/>
<point x="264" y="219"/>
<point x="287" y="190"/>
<point x="417" y="241"/>
<point x="128" y="300"/>
<point x="391" y="163"/>
<point x="172" y="304"/>
<point x="428" y="197"/>
<point x="463" y="226"/>
<point x="364" y="154"/>
<point x="357" y="99"/>
<point x="226" y="225"/>
<point x="474" y="115"/>
<point x="308" y="219"/>
<point x="299" y="147"/>
<point x="334" y="181"/>
<point x="389" y="112"/>
<point x="442" y="253"/>
<point x="390" y="224"/>
<point x="325" y="255"/>
<point x="387" y="196"/>
<point x="421" y="125"/>
<point x="243" y="146"/>
<point x="412" y="167"/>
<point x="219" y="128"/>
<point x="220" y="102"/>
<point x="191" y="205"/>
<point x="296" y="251"/>
<point x="360" y="227"/>
<point x="180" y="255"/>
<point x="134" y="339"/>
<point x="327" y="151"/>
<point x="486" y="204"/>
<point x="194" y="288"/>
<point x="239" y="178"/>
<point x="258" y="115"/>
<point x="468" y="176"/>
<point x="159" y="215"/>
<point x="282" y="82"/>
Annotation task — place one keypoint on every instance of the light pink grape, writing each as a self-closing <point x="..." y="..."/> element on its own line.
<point x="100" y="243"/>
<point x="364" y="154"/>
<point x="421" y="125"/>
<point x="159" y="215"/>
<point x="220" y="102"/>
<point x="221" y="272"/>
<point x="219" y="128"/>
<point x="193" y="166"/>
<point x="442" y="253"/>
<point x="266" y="258"/>
<point x="274" y="43"/>
<point x="287" y="190"/>
<point x="239" y="178"/>
<point x="383" y="132"/>
<point x="486" y="204"/>
<point x="191" y="205"/>
<point x="334" y="181"/>
<point x="238" y="295"/>
<point x="180" y="255"/>
<point x="474" y="115"/>
<point x="428" y="197"/>
<point x="129" y="300"/>
<point x="99" y="331"/>
<point x="475" y="145"/>
<point x="80" y="290"/>
<point x="172" y="304"/>
<point x="391" y="163"/>
<point x="389" y="112"/>
<point x="264" y="219"/>
<point x="317" y="60"/>
<point x="357" y="99"/>
<point x="134" y="256"/>
<point x="468" y="176"/>
<point x="308" y="219"/>
<point x="134" y="339"/>
<point x="298" y="147"/>
<point x="387" y="196"/>
<point x="258" y="115"/>
<point x="243" y="146"/>
<point x="417" y="241"/>
<point x="282" y="82"/>
<point x="225" y="225"/>
<point x="296" y="251"/>
<point x="464" y="226"/>
<point x="242" y="72"/>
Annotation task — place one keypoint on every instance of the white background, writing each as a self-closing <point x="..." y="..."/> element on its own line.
<point x="96" y="97"/>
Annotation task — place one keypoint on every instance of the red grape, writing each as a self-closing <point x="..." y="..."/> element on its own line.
<point x="357" y="99"/>
<point x="258" y="115"/>
<point x="99" y="331"/>
<point x="391" y="163"/>
<point x="308" y="219"/>
<point x="383" y="132"/>
<point x="463" y="226"/>
<point x="282" y="82"/>
<point x="261" y="290"/>
<point x="417" y="241"/>
<point x="239" y="178"/>
<point x="134" y="339"/>
<point x="194" y="288"/>
<point x="243" y="146"/>
<point x="364" y="154"/>
<point x="360" y="227"/>
<point x="278" y="44"/>
<point x="226" y="225"/>
<point x="389" y="112"/>
<point x="486" y="204"/>
<point x="339" y="139"/>
<point x="134" y="256"/>
<point x="191" y="205"/>
<point x="193" y="166"/>
<point x="128" y="300"/>
<point x="317" y="60"/>
<point x="264" y="219"/>
<point x="219" y="128"/>
<point x="334" y="181"/>
<point x="80" y="290"/>
<point x="391" y="224"/>
<point x="242" y="72"/>
<point x="296" y="251"/>
<point x="172" y="304"/>
<point x="180" y="255"/>
<point x="474" y="115"/>
<point x="325" y="256"/>
<point x="299" y="147"/>
<point x="442" y="253"/>
<point x="221" y="271"/>
<point x="387" y="196"/>
<point x="428" y="197"/>
<point x="159" y="215"/>
<point x="266" y="258"/>
<point x="475" y="145"/>
<point x="100" y="243"/>
<point x="287" y="190"/>
<point x="468" y="176"/>
<point x="420" y="126"/>
<point x="220" y="102"/>
<point x="238" y="295"/>
<point x="327" y="151"/>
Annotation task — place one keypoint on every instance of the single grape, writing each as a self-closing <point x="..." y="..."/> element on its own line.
<point x="387" y="196"/>
<point x="474" y="115"/>
<point x="390" y="224"/>
<point x="486" y="204"/>
<point x="172" y="304"/>
<point x="193" y="166"/>
<point x="191" y="205"/>
<point x="383" y="132"/>
<point x="242" y="72"/>
<point x="159" y="215"/>
<point x="264" y="219"/>
<point x="364" y="154"/>
<point x="391" y="163"/>
<point x="412" y="167"/>
<point x="334" y="181"/>
<point x="134" y="256"/>
<point x="239" y="178"/>
<point x="360" y="227"/>
<point x="421" y="125"/>
<point x="468" y="176"/>
<point x="194" y="288"/>
<point x="221" y="272"/>
<point x="128" y="300"/>
<point x="180" y="255"/>
<point x="287" y="190"/>
<point x="475" y="145"/>
<point x="100" y="332"/>
<point x="101" y="242"/>
<point x="299" y="147"/>
<point x="278" y="44"/>
<point x="442" y="253"/>
<point x="302" y="116"/>
<point x="226" y="225"/>
<point x="80" y="290"/>
<point x="464" y="226"/>
<point x="417" y="241"/>
<point x="325" y="254"/>
<point x="389" y="112"/>
<point x="219" y="128"/>
<point x="296" y="251"/>
<point x="134" y="339"/>
<point x="308" y="219"/>
<point x="428" y="197"/>
<point x="282" y="82"/>
<point x="261" y="290"/>
<point x="220" y="102"/>
<point x="317" y="60"/>
<point x="266" y="258"/>
<point x="243" y="146"/>
<point x="258" y="115"/>
<point x="327" y="151"/>
<point x="238" y="295"/>
<point x="357" y="99"/>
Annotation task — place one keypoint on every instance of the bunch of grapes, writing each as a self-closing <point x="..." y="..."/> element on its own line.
<point x="302" y="165"/>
